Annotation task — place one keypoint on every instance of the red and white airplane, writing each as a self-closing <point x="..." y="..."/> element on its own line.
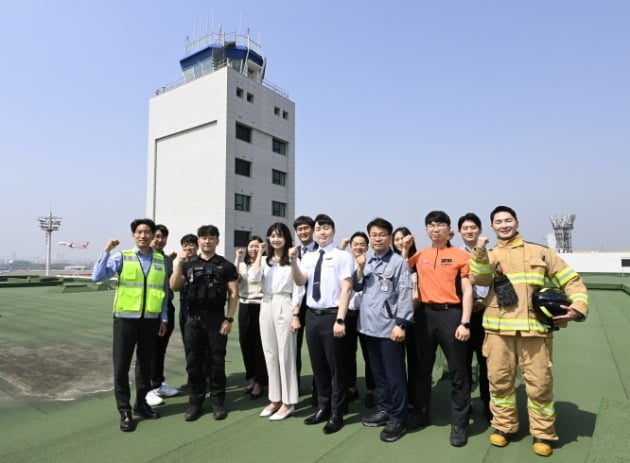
<point x="75" y="245"/>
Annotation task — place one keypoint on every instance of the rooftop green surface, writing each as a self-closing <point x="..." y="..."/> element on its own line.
<point x="56" y="402"/>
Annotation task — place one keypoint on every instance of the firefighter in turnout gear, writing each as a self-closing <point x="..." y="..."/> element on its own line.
<point x="514" y="336"/>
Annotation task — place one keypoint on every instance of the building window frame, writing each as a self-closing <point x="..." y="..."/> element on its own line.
<point x="243" y="133"/>
<point x="279" y="146"/>
<point x="242" y="238"/>
<point x="242" y="202"/>
<point x="278" y="177"/>
<point x="278" y="209"/>
<point x="242" y="167"/>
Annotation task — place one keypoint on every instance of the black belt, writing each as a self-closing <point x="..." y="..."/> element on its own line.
<point x="442" y="306"/>
<point x="327" y="311"/>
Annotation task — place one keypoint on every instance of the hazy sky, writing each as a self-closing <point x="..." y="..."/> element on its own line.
<point x="402" y="107"/>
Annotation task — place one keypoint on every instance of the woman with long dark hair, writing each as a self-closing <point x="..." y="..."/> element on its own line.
<point x="250" y="296"/>
<point x="279" y="321"/>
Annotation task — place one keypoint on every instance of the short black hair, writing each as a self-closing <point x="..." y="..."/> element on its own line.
<point x="498" y="209"/>
<point x="323" y="219"/>
<point x="380" y="223"/>
<point x="438" y="217"/>
<point x="303" y="220"/>
<point x="161" y="228"/>
<point x="189" y="239"/>
<point x="469" y="217"/>
<point x="208" y="230"/>
<point x="360" y="234"/>
<point x="150" y="223"/>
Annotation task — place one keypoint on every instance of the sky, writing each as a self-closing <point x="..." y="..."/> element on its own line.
<point x="402" y="107"/>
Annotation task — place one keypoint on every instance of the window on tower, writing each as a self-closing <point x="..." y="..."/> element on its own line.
<point x="242" y="202"/>
<point x="243" y="133"/>
<point x="278" y="209"/>
<point x="279" y="146"/>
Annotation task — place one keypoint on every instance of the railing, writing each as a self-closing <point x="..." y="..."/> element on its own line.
<point x="182" y="81"/>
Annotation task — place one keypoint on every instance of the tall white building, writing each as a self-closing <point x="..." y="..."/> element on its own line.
<point x="221" y="145"/>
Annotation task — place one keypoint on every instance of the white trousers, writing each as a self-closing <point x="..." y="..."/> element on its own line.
<point x="280" y="346"/>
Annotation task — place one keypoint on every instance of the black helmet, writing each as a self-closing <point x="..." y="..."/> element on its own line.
<point x="547" y="304"/>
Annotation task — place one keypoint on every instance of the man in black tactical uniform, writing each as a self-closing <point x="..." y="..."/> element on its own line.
<point x="206" y="281"/>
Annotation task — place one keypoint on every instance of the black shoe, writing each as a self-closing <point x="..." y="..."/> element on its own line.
<point x="393" y="431"/>
<point x="219" y="412"/>
<point x="418" y="419"/>
<point x="370" y="400"/>
<point x="459" y="437"/>
<point x="376" y="419"/>
<point x="318" y="417"/>
<point x="145" y="411"/>
<point x="193" y="412"/>
<point x="334" y="424"/>
<point x="126" y="421"/>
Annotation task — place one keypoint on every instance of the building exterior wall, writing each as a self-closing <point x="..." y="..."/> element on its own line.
<point x="193" y="149"/>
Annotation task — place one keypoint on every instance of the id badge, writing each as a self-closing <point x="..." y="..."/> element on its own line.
<point x="385" y="285"/>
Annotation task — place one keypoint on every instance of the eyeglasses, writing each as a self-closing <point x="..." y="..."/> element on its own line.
<point x="435" y="226"/>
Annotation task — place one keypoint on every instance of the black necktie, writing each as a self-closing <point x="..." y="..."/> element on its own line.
<point x="317" y="295"/>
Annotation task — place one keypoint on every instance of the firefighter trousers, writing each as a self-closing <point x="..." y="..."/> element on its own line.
<point x="532" y="355"/>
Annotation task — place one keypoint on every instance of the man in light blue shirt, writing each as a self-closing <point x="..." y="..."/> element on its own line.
<point x="385" y="313"/>
<point x="140" y="305"/>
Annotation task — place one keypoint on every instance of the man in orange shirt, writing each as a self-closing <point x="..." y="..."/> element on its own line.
<point x="444" y="319"/>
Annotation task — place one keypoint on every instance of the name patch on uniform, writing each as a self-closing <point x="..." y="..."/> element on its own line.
<point x="447" y="261"/>
<point x="158" y="267"/>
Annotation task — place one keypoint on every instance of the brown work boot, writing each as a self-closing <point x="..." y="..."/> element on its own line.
<point x="499" y="438"/>
<point x="542" y="447"/>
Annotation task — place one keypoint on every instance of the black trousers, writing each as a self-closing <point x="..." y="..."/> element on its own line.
<point x="251" y="344"/>
<point x="327" y="360"/>
<point x="159" y="353"/>
<point x="353" y="337"/>
<point x="205" y="346"/>
<point x="411" y="349"/>
<point x="477" y="333"/>
<point x="133" y="334"/>
<point x="388" y="365"/>
<point x="433" y="328"/>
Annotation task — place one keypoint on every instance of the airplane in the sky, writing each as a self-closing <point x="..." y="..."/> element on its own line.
<point x="74" y="245"/>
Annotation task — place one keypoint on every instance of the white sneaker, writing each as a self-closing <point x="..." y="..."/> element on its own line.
<point x="153" y="398"/>
<point x="167" y="391"/>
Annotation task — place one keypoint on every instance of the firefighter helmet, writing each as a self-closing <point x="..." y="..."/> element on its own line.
<point x="547" y="304"/>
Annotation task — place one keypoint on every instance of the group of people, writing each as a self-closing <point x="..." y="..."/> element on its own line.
<point x="397" y="303"/>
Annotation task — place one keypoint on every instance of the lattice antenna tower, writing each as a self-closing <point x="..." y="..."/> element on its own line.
<point x="563" y="228"/>
<point x="49" y="224"/>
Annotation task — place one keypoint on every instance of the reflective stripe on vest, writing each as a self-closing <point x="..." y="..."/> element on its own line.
<point x="513" y="324"/>
<point x="507" y="402"/>
<point x="543" y="410"/>
<point x="131" y="296"/>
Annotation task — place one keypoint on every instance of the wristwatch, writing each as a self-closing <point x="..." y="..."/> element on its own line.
<point x="341" y="321"/>
<point x="402" y="326"/>
<point x="229" y="319"/>
<point x="465" y="324"/>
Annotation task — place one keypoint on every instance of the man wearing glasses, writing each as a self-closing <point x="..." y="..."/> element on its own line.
<point x="444" y="319"/>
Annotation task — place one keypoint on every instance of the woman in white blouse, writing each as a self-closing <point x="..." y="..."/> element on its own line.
<point x="279" y="321"/>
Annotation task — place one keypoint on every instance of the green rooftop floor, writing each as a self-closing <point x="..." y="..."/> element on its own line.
<point x="56" y="403"/>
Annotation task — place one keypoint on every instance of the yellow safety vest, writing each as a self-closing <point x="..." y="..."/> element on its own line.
<point x="138" y="294"/>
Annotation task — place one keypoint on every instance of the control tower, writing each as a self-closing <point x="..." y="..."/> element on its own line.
<point x="221" y="145"/>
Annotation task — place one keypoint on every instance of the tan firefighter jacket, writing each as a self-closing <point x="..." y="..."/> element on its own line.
<point x="529" y="267"/>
